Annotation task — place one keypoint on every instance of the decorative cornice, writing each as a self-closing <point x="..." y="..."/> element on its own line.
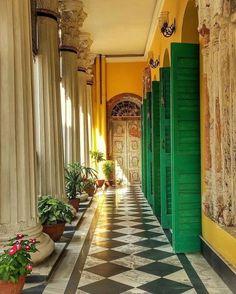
<point x="48" y="8"/>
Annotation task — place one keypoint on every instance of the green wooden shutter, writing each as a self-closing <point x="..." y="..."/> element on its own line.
<point x="156" y="147"/>
<point x="149" y="149"/>
<point x="144" y="161"/>
<point x="185" y="147"/>
<point x="165" y="149"/>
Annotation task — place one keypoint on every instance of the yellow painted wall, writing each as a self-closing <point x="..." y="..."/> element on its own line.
<point x="220" y="240"/>
<point x="161" y="44"/>
<point x="125" y="77"/>
<point x="99" y="105"/>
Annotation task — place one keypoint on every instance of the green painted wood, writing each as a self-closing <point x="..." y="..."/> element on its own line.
<point x="156" y="148"/>
<point x="185" y="147"/>
<point x="144" y="144"/>
<point x="142" y="151"/>
<point x="149" y="149"/>
<point x="165" y="149"/>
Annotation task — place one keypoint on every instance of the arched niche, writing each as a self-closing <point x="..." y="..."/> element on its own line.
<point x="190" y="24"/>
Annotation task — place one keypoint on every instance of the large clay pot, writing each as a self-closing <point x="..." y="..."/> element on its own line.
<point x="90" y="190"/>
<point x="12" y="288"/>
<point x="54" y="231"/>
<point x="100" y="183"/>
<point x="75" y="203"/>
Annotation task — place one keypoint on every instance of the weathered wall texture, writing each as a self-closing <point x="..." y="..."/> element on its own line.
<point x="217" y="24"/>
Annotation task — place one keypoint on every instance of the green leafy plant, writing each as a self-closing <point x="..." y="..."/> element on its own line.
<point x="15" y="261"/>
<point x="53" y="211"/>
<point x="108" y="169"/>
<point x="97" y="156"/>
<point x="72" y="182"/>
<point x="89" y="173"/>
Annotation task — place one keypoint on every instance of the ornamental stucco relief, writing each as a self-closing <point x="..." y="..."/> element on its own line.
<point x="219" y="59"/>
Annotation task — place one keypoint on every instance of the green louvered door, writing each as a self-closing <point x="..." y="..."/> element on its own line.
<point x="185" y="147"/>
<point x="144" y="161"/>
<point x="156" y="148"/>
<point x="165" y="149"/>
<point x="149" y="149"/>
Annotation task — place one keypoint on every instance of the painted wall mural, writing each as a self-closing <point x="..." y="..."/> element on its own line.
<point x="217" y="25"/>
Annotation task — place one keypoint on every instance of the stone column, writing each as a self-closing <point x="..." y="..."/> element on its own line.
<point x="84" y="60"/>
<point x="72" y="18"/>
<point x="48" y="108"/>
<point x="18" y="204"/>
<point x="90" y="110"/>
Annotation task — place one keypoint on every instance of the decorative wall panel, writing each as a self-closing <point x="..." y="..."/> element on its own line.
<point x="217" y="25"/>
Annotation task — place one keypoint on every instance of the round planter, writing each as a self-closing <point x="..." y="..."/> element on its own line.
<point x="12" y="288"/>
<point x="100" y="183"/>
<point x="90" y="191"/>
<point x="83" y="197"/>
<point x="54" y="231"/>
<point x="75" y="203"/>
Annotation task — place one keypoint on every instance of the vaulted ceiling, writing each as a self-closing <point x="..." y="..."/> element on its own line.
<point x="120" y="27"/>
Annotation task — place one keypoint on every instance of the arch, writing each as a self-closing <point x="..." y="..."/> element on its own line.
<point x="123" y="97"/>
<point x="190" y="24"/>
<point x="166" y="59"/>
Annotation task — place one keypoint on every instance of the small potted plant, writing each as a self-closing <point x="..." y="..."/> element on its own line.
<point x="53" y="215"/>
<point x="98" y="157"/>
<point x="90" y="186"/>
<point x="108" y="170"/>
<point x="72" y="182"/>
<point x="16" y="264"/>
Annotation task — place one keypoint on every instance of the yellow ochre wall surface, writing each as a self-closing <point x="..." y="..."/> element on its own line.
<point x="186" y="23"/>
<point x="124" y="77"/>
<point x="160" y="44"/>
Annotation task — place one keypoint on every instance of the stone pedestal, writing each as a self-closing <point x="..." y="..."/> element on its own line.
<point x="18" y="204"/>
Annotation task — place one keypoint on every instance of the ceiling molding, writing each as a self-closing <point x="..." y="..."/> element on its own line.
<point x="125" y="59"/>
<point x="153" y="27"/>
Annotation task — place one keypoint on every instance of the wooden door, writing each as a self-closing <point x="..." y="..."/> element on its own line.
<point x="126" y="150"/>
<point x="156" y="147"/>
<point x="185" y="147"/>
<point x="165" y="149"/>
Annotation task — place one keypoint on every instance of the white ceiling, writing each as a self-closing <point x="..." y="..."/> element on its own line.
<point x="119" y="27"/>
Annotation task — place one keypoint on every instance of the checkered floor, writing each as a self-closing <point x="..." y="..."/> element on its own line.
<point x="130" y="252"/>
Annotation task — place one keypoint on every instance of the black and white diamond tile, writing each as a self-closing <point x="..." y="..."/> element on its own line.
<point x="130" y="252"/>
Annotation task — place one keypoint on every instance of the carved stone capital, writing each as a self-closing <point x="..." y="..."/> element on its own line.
<point x="85" y="42"/>
<point x="85" y="60"/>
<point x="72" y="18"/>
<point x="48" y="7"/>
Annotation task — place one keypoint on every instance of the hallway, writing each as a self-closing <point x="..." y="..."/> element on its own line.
<point x="130" y="253"/>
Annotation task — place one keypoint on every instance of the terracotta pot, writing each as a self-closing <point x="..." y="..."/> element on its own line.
<point x="90" y="190"/>
<point x="100" y="183"/>
<point x="109" y="183"/>
<point x="75" y="203"/>
<point x="12" y="288"/>
<point x="54" y="231"/>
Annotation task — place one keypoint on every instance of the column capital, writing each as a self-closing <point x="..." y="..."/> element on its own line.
<point x="72" y="18"/>
<point x="48" y="8"/>
<point x="85" y="60"/>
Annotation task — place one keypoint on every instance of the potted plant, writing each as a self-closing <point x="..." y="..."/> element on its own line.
<point x="72" y="182"/>
<point x="53" y="215"/>
<point x="15" y="264"/>
<point x="98" y="157"/>
<point x="90" y="186"/>
<point x="108" y="170"/>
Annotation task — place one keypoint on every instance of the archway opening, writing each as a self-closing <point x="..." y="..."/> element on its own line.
<point x="124" y="137"/>
<point x="190" y="24"/>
